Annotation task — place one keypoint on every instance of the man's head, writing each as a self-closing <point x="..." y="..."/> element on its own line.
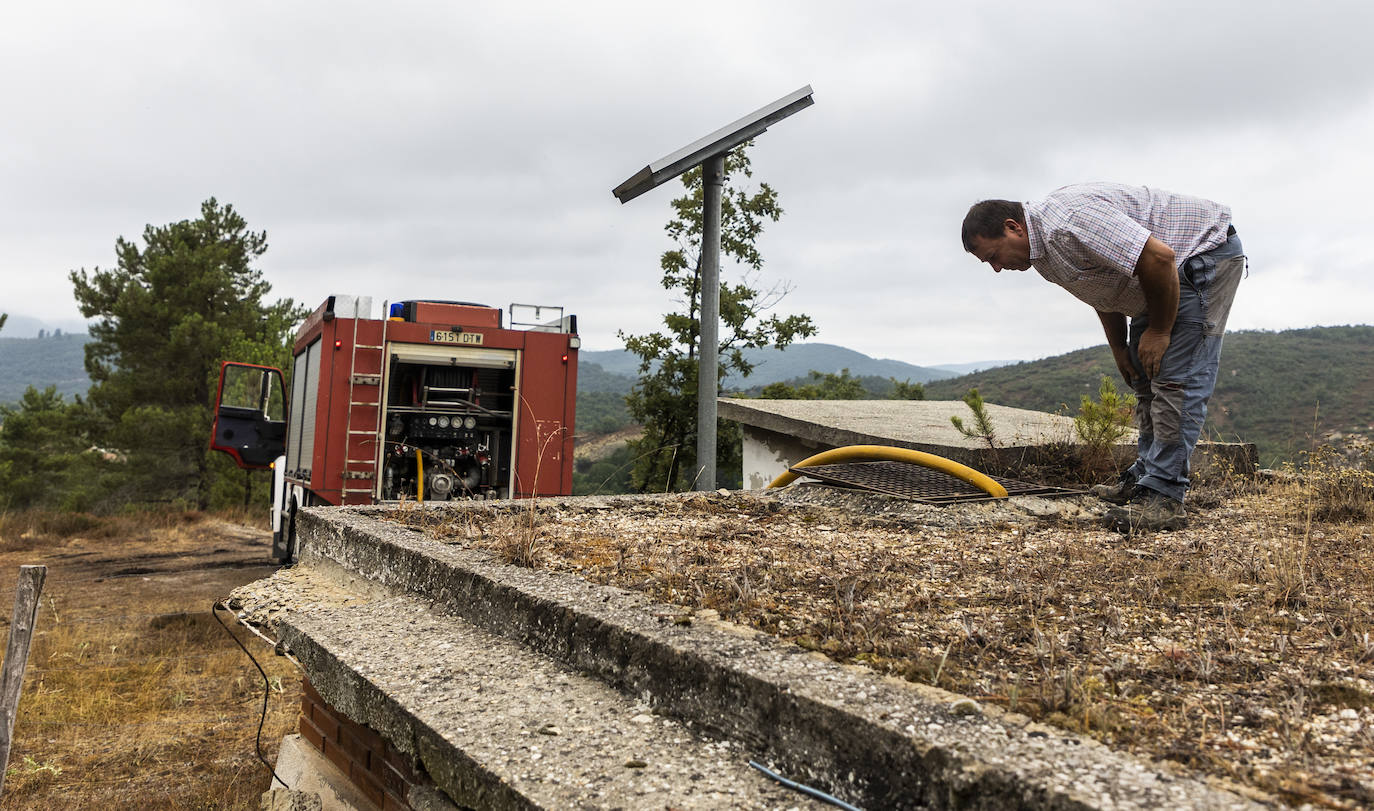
<point x="995" y="232"/>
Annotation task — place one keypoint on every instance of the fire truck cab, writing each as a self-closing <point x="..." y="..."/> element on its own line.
<point x="439" y="400"/>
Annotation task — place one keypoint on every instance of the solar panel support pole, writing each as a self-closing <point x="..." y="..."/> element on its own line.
<point x="708" y="364"/>
<point x="709" y="153"/>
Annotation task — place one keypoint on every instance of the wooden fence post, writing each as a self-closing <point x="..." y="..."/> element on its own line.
<point x="26" y="594"/>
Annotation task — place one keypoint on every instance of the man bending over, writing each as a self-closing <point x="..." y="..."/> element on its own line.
<point x="1170" y="264"/>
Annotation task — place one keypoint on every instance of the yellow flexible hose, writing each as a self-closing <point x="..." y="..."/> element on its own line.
<point x="885" y="453"/>
<point x="419" y="478"/>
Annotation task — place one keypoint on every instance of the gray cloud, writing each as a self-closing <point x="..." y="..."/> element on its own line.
<point x="469" y="151"/>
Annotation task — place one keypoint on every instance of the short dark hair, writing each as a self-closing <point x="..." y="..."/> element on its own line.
<point x="986" y="219"/>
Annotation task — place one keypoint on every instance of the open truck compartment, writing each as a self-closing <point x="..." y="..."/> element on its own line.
<point x="439" y="400"/>
<point x="455" y="409"/>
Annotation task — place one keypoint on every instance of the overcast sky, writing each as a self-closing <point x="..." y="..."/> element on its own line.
<point x="464" y="151"/>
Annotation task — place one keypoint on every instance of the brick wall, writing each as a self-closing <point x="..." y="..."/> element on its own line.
<point x="370" y="762"/>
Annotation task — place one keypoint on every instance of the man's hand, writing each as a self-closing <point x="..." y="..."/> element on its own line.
<point x="1153" y="344"/>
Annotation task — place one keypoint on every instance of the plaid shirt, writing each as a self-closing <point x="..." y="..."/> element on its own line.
<point x="1087" y="238"/>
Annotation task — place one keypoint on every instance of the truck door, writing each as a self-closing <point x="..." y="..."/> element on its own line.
<point x="250" y="414"/>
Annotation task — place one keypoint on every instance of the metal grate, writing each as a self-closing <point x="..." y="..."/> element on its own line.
<point x="919" y="483"/>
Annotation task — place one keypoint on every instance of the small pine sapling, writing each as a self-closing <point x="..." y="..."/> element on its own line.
<point x="1102" y="423"/>
<point x="982" y="421"/>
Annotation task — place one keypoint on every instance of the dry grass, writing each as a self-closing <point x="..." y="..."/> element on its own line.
<point x="1242" y="647"/>
<point x="134" y="696"/>
<point x="1339" y="490"/>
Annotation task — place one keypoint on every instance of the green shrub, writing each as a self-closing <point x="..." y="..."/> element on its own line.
<point x="606" y="476"/>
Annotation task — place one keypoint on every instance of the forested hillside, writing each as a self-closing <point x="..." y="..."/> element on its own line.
<point x="1276" y="389"/>
<point x="53" y="360"/>
<point x="592" y="377"/>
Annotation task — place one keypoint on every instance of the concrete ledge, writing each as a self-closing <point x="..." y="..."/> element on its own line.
<point x="498" y="728"/>
<point x="872" y="741"/>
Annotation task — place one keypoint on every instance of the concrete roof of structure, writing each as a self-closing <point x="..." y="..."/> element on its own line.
<point x="917" y="424"/>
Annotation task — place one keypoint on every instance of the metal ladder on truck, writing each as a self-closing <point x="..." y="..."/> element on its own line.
<point x="362" y="451"/>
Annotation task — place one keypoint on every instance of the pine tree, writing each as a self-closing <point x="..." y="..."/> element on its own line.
<point x="664" y="398"/>
<point x="46" y="453"/>
<point x="906" y="390"/>
<point x="168" y="313"/>
<point x="982" y="420"/>
<point x="821" y="386"/>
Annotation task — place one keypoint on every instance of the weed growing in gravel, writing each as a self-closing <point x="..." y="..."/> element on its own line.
<point x="522" y="546"/>
<point x="1339" y="488"/>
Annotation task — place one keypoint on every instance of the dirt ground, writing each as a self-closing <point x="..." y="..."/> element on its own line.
<point x="135" y="697"/>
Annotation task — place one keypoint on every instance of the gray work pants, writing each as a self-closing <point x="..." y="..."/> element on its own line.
<point x="1172" y="407"/>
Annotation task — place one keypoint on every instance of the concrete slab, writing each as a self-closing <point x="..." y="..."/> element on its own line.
<point x="496" y="726"/>
<point x="872" y="741"/>
<point x="781" y="433"/>
<point x="922" y="425"/>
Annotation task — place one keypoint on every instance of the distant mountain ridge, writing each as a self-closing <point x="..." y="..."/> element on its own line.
<point x="60" y="361"/>
<point x="976" y="366"/>
<point x="54" y="360"/>
<point x="23" y="326"/>
<point x="775" y="365"/>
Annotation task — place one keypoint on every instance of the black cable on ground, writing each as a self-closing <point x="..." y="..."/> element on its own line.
<point x="266" y="689"/>
<point x="804" y="789"/>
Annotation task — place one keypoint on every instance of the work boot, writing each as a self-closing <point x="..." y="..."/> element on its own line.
<point x="1147" y="510"/>
<point x="1118" y="493"/>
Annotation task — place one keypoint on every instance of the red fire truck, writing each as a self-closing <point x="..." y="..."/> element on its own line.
<point x="437" y="401"/>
